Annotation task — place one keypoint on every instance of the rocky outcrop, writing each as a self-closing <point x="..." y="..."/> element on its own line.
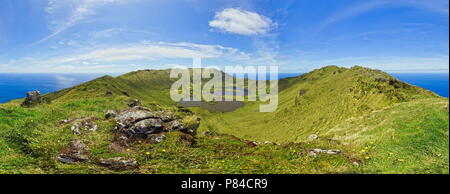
<point x="33" y="98"/>
<point x="141" y="122"/>
<point x="76" y="151"/>
<point x="118" y="163"/>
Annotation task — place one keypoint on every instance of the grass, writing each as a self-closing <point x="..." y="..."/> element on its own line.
<point x="31" y="139"/>
<point x="383" y="125"/>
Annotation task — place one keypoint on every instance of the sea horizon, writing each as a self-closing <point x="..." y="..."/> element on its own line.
<point x="16" y="85"/>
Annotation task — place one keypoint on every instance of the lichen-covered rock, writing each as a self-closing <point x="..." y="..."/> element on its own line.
<point x="88" y="124"/>
<point x="132" y="115"/>
<point x="119" y="163"/>
<point x="76" y="151"/>
<point x="141" y="123"/>
<point x="33" y="98"/>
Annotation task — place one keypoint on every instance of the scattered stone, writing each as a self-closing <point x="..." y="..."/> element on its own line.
<point x="119" y="163"/>
<point x="252" y="143"/>
<point x="318" y="151"/>
<point x="267" y="142"/>
<point x="313" y="137"/>
<point x="156" y="138"/>
<point x="110" y="114"/>
<point x="76" y="151"/>
<point x="312" y="153"/>
<point x="135" y="102"/>
<point x="66" y="121"/>
<point x="355" y="163"/>
<point x="33" y="98"/>
<point x="86" y="124"/>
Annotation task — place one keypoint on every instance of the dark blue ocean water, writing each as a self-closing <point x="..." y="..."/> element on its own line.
<point x="13" y="86"/>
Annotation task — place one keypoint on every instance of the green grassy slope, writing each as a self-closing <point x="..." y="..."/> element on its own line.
<point x="395" y="127"/>
<point x="31" y="139"/>
<point x="384" y="125"/>
<point x="314" y="102"/>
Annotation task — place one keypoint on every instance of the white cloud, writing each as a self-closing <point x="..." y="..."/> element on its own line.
<point x="118" y="57"/>
<point x="241" y="22"/>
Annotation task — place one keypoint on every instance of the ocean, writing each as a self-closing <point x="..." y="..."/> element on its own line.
<point x="13" y="86"/>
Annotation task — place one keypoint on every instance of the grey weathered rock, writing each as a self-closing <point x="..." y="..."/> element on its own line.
<point x="119" y="163"/>
<point x="76" y="151"/>
<point x="33" y="98"/>
<point x="145" y="127"/>
<point x="86" y="124"/>
<point x="132" y="115"/>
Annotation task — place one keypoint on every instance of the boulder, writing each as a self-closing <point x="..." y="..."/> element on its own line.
<point x="118" y="163"/>
<point x="76" y="151"/>
<point x="33" y="98"/>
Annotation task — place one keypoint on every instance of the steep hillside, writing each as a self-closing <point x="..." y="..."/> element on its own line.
<point x="146" y="85"/>
<point x="317" y="101"/>
<point x="363" y="121"/>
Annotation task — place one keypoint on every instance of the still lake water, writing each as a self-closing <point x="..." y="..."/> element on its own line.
<point x="13" y="86"/>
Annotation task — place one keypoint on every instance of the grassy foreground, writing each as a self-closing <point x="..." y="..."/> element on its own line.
<point x="379" y="124"/>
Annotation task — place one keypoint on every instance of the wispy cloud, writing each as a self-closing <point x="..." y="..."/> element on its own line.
<point x="102" y="58"/>
<point x="62" y="15"/>
<point x="242" y="22"/>
<point x="152" y="50"/>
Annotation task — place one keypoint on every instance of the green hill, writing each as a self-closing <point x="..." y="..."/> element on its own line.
<point x="378" y="123"/>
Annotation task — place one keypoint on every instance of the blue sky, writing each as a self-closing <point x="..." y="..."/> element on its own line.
<point x="117" y="36"/>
